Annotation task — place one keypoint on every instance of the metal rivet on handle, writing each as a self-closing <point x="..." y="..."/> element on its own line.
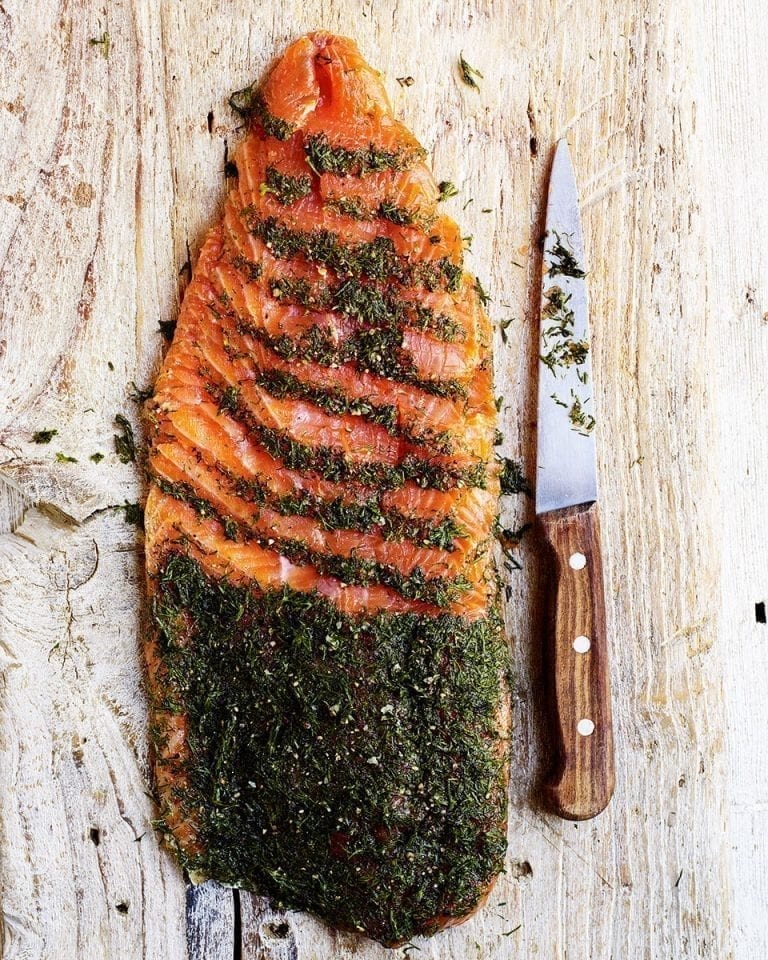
<point x="577" y="561"/>
<point x="585" y="727"/>
<point x="581" y="644"/>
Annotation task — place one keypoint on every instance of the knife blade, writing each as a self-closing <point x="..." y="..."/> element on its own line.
<point x="581" y="781"/>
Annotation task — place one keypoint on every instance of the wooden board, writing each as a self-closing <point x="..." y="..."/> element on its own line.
<point x="113" y="170"/>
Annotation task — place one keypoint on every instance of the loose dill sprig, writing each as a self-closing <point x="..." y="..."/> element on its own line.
<point x="125" y="445"/>
<point x="44" y="436"/>
<point x="281" y="688"/>
<point x="104" y="42"/>
<point x="468" y="73"/>
<point x="483" y="296"/>
<point x="447" y="189"/>
<point x="512" y="479"/>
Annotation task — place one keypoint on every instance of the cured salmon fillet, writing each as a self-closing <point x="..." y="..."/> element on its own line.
<point x="326" y="664"/>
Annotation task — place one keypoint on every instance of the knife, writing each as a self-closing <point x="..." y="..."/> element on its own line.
<point x="581" y="781"/>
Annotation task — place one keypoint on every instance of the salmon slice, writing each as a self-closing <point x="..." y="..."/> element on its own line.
<point x="326" y="663"/>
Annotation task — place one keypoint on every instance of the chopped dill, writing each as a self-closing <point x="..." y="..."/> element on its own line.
<point x="376" y="259"/>
<point x="96" y="457"/>
<point x="348" y="206"/>
<point x="321" y="741"/>
<point x="402" y="216"/>
<point x="249" y="102"/>
<point x="447" y="189"/>
<point x="503" y="324"/>
<point x="562" y="261"/>
<point x="325" y="158"/>
<point x="230" y="398"/>
<point x="125" y="445"/>
<point x="512" y="479"/>
<point x="252" y="271"/>
<point x="139" y="394"/>
<point x="468" y="73"/>
<point x="63" y="458"/>
<point x="286" y="189"/>
<point x="331" y="463"/>
<point x="104" y="42"/>
<point x="44" y="436"/>
<point x="481" y="293"/>
<point x="133" y="514"/>
<point x="583" y="423"/>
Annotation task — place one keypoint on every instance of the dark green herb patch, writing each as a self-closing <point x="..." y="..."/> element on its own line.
<point x="44" y="436"/>
<point x="329" y="752"/>
<point x="374" y="259"/>
<point x="249" y="102"/>
<point x="252" y="271"/>
<point x="512" y="478"/>
<point x="373" y="306"/>
<point x="325" y="158"/>
<point x="354" y="208"/>
<point x="125" y="445"/>
<point x="447" y="189"/>
<point x="285" y="188"/>
<point x="562" y="261"/>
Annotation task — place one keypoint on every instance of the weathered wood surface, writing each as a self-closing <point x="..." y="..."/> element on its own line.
<point x="734" y="134"/>
<point x="113" y="169"/>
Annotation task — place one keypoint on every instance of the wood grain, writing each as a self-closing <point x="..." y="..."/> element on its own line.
<point x="112" y="174"/>
<point x="210" y="922"/>
<point x="267" y="933"/>
<point x="734" y="131"/>
<point x="582" y="779"/>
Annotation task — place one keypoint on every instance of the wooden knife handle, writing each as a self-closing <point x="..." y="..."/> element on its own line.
<point x="581" y="782"/>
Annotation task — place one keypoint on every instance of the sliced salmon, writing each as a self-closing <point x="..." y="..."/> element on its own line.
<point x="326" y="665"/>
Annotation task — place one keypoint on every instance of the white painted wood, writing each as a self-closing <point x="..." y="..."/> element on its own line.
<point x="267" y="933"/>
<point x="210" y="922"/>
<point x="732" y="66"/>
<point x="110" y="171"/>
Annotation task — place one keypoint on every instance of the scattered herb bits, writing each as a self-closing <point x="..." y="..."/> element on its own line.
<point x="125" y="445"/>
<point x="104" y="43"/>
<point x="44" y="436"/>
<point x="468" y="73"/>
